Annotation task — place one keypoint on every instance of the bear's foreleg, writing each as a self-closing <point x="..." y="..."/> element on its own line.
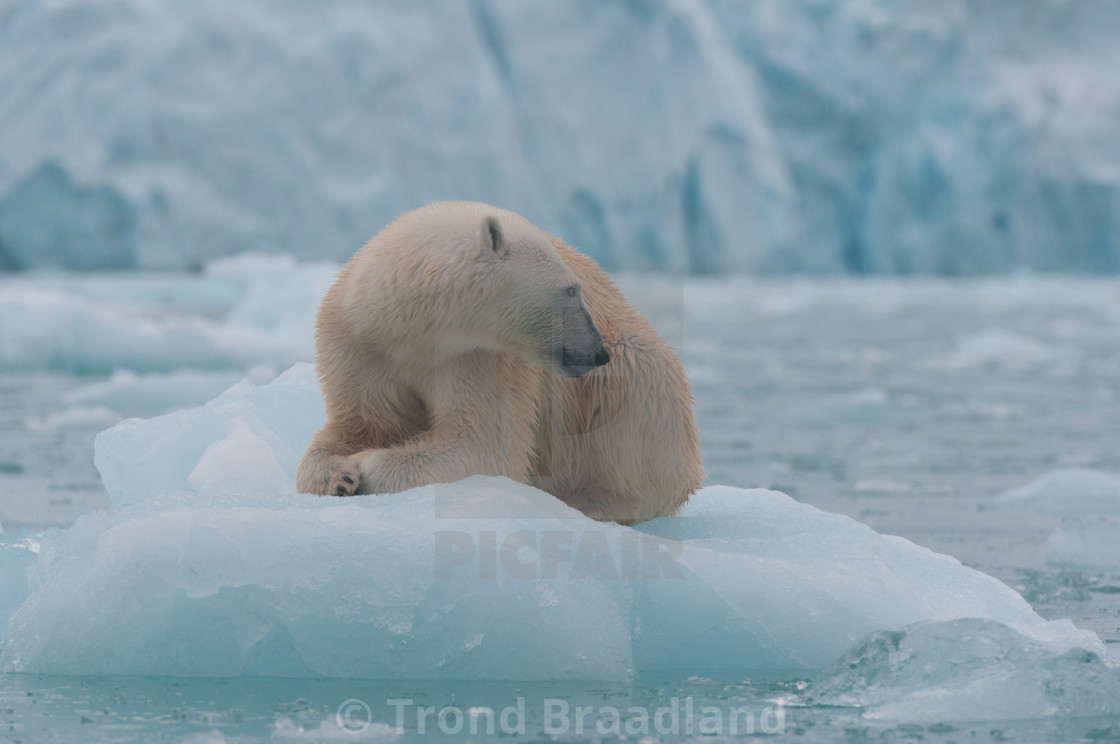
<point x="483" y="411"/>
<point x="443" y="455"/>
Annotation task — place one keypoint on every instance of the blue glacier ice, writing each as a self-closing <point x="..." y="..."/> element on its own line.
<point x="209" y="564"/>
<point x="824" y="136"/>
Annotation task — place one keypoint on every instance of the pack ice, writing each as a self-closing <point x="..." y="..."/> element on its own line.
<point x="209" y="563"/>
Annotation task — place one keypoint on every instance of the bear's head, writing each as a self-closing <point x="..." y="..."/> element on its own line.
<point x="453" y="277"/>
<point x="540" y="312"/>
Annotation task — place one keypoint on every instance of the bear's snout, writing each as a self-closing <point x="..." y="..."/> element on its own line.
<point x="576" y="363"/>
<point x="577" y="344"/>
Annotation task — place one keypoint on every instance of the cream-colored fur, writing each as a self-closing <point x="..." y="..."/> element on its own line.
<point x="436" y="352"/>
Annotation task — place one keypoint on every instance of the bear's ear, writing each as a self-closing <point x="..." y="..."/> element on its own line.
<point x="493" y="242"/>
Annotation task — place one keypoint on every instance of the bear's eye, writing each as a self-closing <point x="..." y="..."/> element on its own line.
<point x="571" y="291"/>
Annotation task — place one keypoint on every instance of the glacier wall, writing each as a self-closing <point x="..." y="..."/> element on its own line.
<point x="868" y="136"/>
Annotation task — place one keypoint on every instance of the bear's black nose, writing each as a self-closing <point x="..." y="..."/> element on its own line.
<point x="577" y="364"/>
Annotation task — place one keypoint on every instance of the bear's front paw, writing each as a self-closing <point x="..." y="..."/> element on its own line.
<point x="373" y="466"/>
<point x="343" y="477"/>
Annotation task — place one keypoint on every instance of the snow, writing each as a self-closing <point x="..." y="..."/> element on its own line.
<point x="968" y="670"/>
<point x="209" y="564"/>
<point x="865" y="137"/>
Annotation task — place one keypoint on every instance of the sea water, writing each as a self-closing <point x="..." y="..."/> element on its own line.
<point x="920" y="408"/>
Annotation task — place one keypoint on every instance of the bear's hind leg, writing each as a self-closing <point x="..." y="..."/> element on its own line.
<point x="604" y="504"/>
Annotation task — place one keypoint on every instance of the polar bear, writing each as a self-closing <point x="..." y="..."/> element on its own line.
<point x="462" y="340"/>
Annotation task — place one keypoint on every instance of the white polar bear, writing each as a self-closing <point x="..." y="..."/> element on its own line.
<point x="462" y="340"/>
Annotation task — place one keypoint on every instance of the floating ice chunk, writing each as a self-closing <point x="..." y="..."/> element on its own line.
<point x="799" y="583"/>
<point x="969" y="670"/>
<point x="18" y="552"/>
<point x="1068" y="491"/>
<point x="59" y="331"/>
<point x="1087" y="542"/>
<point x="1088" y="502"/>
<point x="205" y="737"/>
<point x="307" y="586"/>
<point x="998" y="348"/>
<point x="148" y="394"/>
<point x="272" y="424"/>
<point x="280" y="295"/>
<point x="431" y="584"/>
<point x="210" y="564"/>
<point x="287" y="731"/>
<point x="87" y="417"/>
<point x="271" y="321"/>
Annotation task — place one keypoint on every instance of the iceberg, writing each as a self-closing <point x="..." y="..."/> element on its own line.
<point x="408" y="586"/>
<point x="968" y="670"/>
<point x="210" y="564"/>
